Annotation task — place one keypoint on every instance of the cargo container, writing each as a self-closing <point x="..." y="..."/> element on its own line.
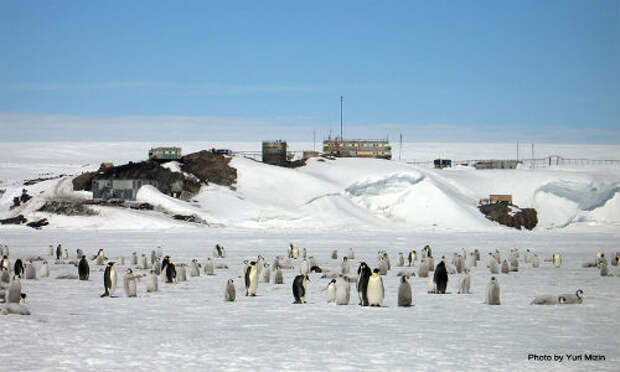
<point x="442" y="163"/>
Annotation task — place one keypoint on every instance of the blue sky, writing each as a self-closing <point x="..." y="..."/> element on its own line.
<point x="537" y="71"/>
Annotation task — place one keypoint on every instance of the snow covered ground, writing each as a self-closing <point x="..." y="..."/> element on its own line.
<point x="367" y="204"/>
<point x="189" y="326"/>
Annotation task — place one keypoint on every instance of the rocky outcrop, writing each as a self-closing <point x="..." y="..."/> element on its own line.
<point x="510" y="215"/>
<point x="209" y="168"/>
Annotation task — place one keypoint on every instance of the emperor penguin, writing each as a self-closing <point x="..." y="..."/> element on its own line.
<point x="194" y="270"/>
<point x="459" y="264"/>
<point x="156" y="268"/>
<point x="45" y="272"/>
<point x="109" y="280"/>
<point x="493" y="292"/>
<point x="548" y="300"/>
<point x="600" y="256"/>
<point x="335" y="254"/>
<point x="14" y="292"/>
<point x="557" y="260"/>
<point x="423" y="269"/>
<point x="573" y="298"/>
<point x="5" y="262"/>
<point x="465" y="283"/>
<point x="5" y="276"/>
<point x="411" y="258"/>
<point x="59" y="252"/>
<point x="260" y="264"/>
<point x="79" y="253"/>
<point x="299" y="288"/>
<point x="50" y="250"/>
<point x="404" y="292"/>
<point x="477" y="252"/>
<point x="441" y="277"/>
<point x="604" y="270"/>
<point x="18" y="268"/>
<point x="386" y="258"/>
<point x="30" y="271"/>
<point x="170" y="271"/>
<point x="99" y="258"/>
<point x="277" y="278"/>
<point x="345" y="268"/>
<point x="229" y="292"/>
<point x="293" y="251"/>
<point x="382" y="266"/>
<point x="514" y="264"/>
<point x="266" y="273"/>
<point x="363" y="275"/>
<point x="154" y="259"/>
<point x="493" y="267"/>
<point x="304" y="254"/>
<point x="151" y="281"/>
<point x="251" y="279"/>
<point x="615" y="259"/>
<point x="526" y="257"/>
<point x="331" y="291"/>
<point x="129" y="281"/>
<point x="134" y="259"/>
<point x="472" y="260"/>
<point x="142" y="264"/>
<point x="351" y="254"/>
<point x="535" y="261"/>
<point x="375" y="290"/>
<point x="209" y="270"/>
<point x="400" y="262"/>
<point x="160" y="252"/>
<point x="65" y="254"/>
<point x="164" y="264"/>
<point x="343" y="293"/>
<point x="431" y="263"/>
<point x="83" y="269"/>
<point x="304" y="267"/>
<point x="505" y="267"/>
<point x="181" y="273"/>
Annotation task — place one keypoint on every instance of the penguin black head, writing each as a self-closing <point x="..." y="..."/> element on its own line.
<point x="579" y="293"/>
<point x="332" y="281"/>
<point x="129" y="271"/>
<point x="562" y="299"/>
<point x="376" y="271"/>
<point x="345" y="258"/>
<point x="110" y="264"/>
<point x="252" y="263"/>
<point x="492" y="278"/>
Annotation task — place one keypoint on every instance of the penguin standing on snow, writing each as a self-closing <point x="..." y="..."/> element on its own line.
<point x="251" y="279"/>
<point x="181" y="274"/>
<point x="423" y="269"/>
<point x="299" y="288"/>
<point x="400" y="262"/>
<point x="32" y="274"/>
<point x="99" y="258"/>
<point x="343" y="293"/>
<point x="194" y="268"/>
<point x="375" y="290"/>
<point x="404" y="292"/>
<point x="351" y="254"/>
<point x="411" y="258"/>
<point x="604" y="270"/>
<point x="209" y="267"/>
<point x="493" y="293"/>
<point x="441" y="277"/>
<point x="45" y="271"/>
<point x="151" y="281"/>
<point x="229" y="292"/>
<point x="331" y="291"/>
<point x="465" y="283"/>
<point x="18" y="268"/>
<point x="83" y="269"/>
<point x="345" y="268"/>
<point x="266" y="273"/>
<point x="363" y="275"/>
<point x="59" y="252"/>
<point x="505" y="267"/>
<point x="170" y="272"/>
<point x="142" y="264"/>
<point x="5" y="262"/>
<point x="109" y="280"/>
<point x="535" y="261"/>
<point x="5" y="277"/>
<point x="129" y="281"/>
<point x="277" y="277"/>
<point x="14" y="292"/>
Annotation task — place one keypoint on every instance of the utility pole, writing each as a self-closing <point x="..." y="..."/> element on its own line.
<point x="313" y="139"/>
<point x="341" y="102"/>
<point x="517" y="151"/>
<point x="400" y="150"/>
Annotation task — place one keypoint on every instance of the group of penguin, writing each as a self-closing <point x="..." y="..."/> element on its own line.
<point x="369" y="283"/>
